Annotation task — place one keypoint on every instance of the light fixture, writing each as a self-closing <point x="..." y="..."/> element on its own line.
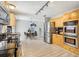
<point x="46" y="4"/>
<point x="11" y="6"/>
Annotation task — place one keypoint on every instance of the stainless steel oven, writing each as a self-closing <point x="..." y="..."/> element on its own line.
<point x="70" y="26"/>
<point x="70" y="29"/>
<point x="71" y="33"/>
<point x="71" y="41"/>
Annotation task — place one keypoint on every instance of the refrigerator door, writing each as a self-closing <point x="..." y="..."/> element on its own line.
<point x="48" y="37"/>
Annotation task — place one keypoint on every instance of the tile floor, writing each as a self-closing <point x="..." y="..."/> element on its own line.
<point x="38" y="48"/>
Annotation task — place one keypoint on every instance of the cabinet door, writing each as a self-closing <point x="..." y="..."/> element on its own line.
<point x="55" y="39"/>
<point x="12" y="20"/>
<point x="60" y="40"/>
<point x="59" y="23"/>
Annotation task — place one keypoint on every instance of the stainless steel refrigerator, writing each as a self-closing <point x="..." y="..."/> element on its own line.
<point x="47" y="33"/>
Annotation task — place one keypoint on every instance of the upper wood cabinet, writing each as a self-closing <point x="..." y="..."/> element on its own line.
<point x="59" y="22"/>
<point x="66" y="17"/>
<point x="75" y="15"/>
<point x="69" y="16"/>
<point x="12" y="19"/>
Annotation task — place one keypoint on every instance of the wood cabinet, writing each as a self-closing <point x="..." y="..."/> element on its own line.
<point x="19" y="52"/>
<point x="66" y="17"/>
<point x="54" y="39"/>
<point x="67" y="47"/>
<point x="71" y="49"/>
<point x="74" y="50"/>
<point x="75" y="14"/>
<point x="12" y="19"/>
<point x="59" y="22"/>
<point x="59" y="39"/>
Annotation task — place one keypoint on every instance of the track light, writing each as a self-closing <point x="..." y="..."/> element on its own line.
<point x="46" y="4"/>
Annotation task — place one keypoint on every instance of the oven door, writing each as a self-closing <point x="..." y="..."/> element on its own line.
<point x="71" y="41"/>
<point x="70" y="29"/>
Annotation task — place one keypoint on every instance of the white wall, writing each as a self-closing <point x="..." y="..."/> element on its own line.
<point x="23" y="25"/>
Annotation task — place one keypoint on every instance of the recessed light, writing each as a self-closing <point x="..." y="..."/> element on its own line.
<point x="51" y="1"/>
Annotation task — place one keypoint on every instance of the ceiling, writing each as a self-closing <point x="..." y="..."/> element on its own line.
<point x="27" y="7"/>
<point x="56" y="8"/>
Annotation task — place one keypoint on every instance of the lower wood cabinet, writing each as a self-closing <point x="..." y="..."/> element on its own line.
<point x="74" y="50"/>
<point x="58" y="39"/>
<point x="19" y="52"/>
<point x="67" y="47"/>
<point x="55" y="39"/>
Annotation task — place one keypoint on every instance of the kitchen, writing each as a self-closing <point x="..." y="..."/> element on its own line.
<point x="57" y="36"/>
